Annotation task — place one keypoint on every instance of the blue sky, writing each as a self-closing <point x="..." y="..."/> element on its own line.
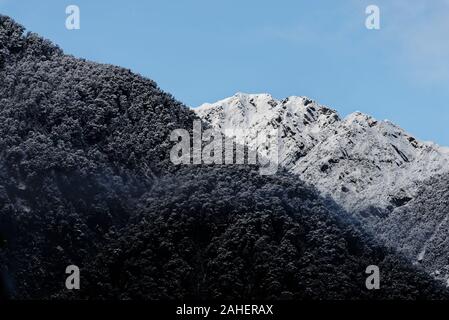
<point x="203" y="50"/>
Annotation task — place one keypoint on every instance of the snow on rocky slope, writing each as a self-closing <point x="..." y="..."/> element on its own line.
<point x="367" y="166"/>
<point x="395" y="185"/>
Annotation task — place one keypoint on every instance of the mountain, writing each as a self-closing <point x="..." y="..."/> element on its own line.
<point x="79" y="143"/>
<point x="393" y="183"/>
<point x="227" y="234"/>
<point x="366" y="165"/>
<point x="420" y="228"/>
<point x="86" y="179"/>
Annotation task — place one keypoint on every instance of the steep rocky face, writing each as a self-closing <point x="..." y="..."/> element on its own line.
<point x="420" y="228"/>
<point x="301" y="122"/>
<point x="366" y="165"/>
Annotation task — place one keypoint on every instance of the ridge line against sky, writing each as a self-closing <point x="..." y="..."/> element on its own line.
<point x="203" y="51"/>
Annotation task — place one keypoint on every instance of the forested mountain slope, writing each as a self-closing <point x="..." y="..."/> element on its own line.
<point x="420" y="228"/>
<point x="79" y="143"/>
<point x="228" y="234"/>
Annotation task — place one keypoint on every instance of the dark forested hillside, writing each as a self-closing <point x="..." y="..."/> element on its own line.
<point x="85" y="179"/>
<point x="215" y="233"/>
<point x="79" y="142"/>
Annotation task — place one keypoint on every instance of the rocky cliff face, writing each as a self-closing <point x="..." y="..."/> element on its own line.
<point x="366" y="165"/>
<point x="420" y="228"/>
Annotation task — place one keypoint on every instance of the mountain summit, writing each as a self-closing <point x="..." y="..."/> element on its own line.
<point x="366" y="165"/>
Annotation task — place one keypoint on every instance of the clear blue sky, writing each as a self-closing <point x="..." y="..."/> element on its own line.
<point x="206" y="50"/>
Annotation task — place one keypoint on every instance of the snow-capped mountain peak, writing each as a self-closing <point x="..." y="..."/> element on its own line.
<point x="360" y="161"/>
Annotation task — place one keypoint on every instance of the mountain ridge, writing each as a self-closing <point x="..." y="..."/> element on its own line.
<point x="390" y="181"/>
<point x="323" y="147"/>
